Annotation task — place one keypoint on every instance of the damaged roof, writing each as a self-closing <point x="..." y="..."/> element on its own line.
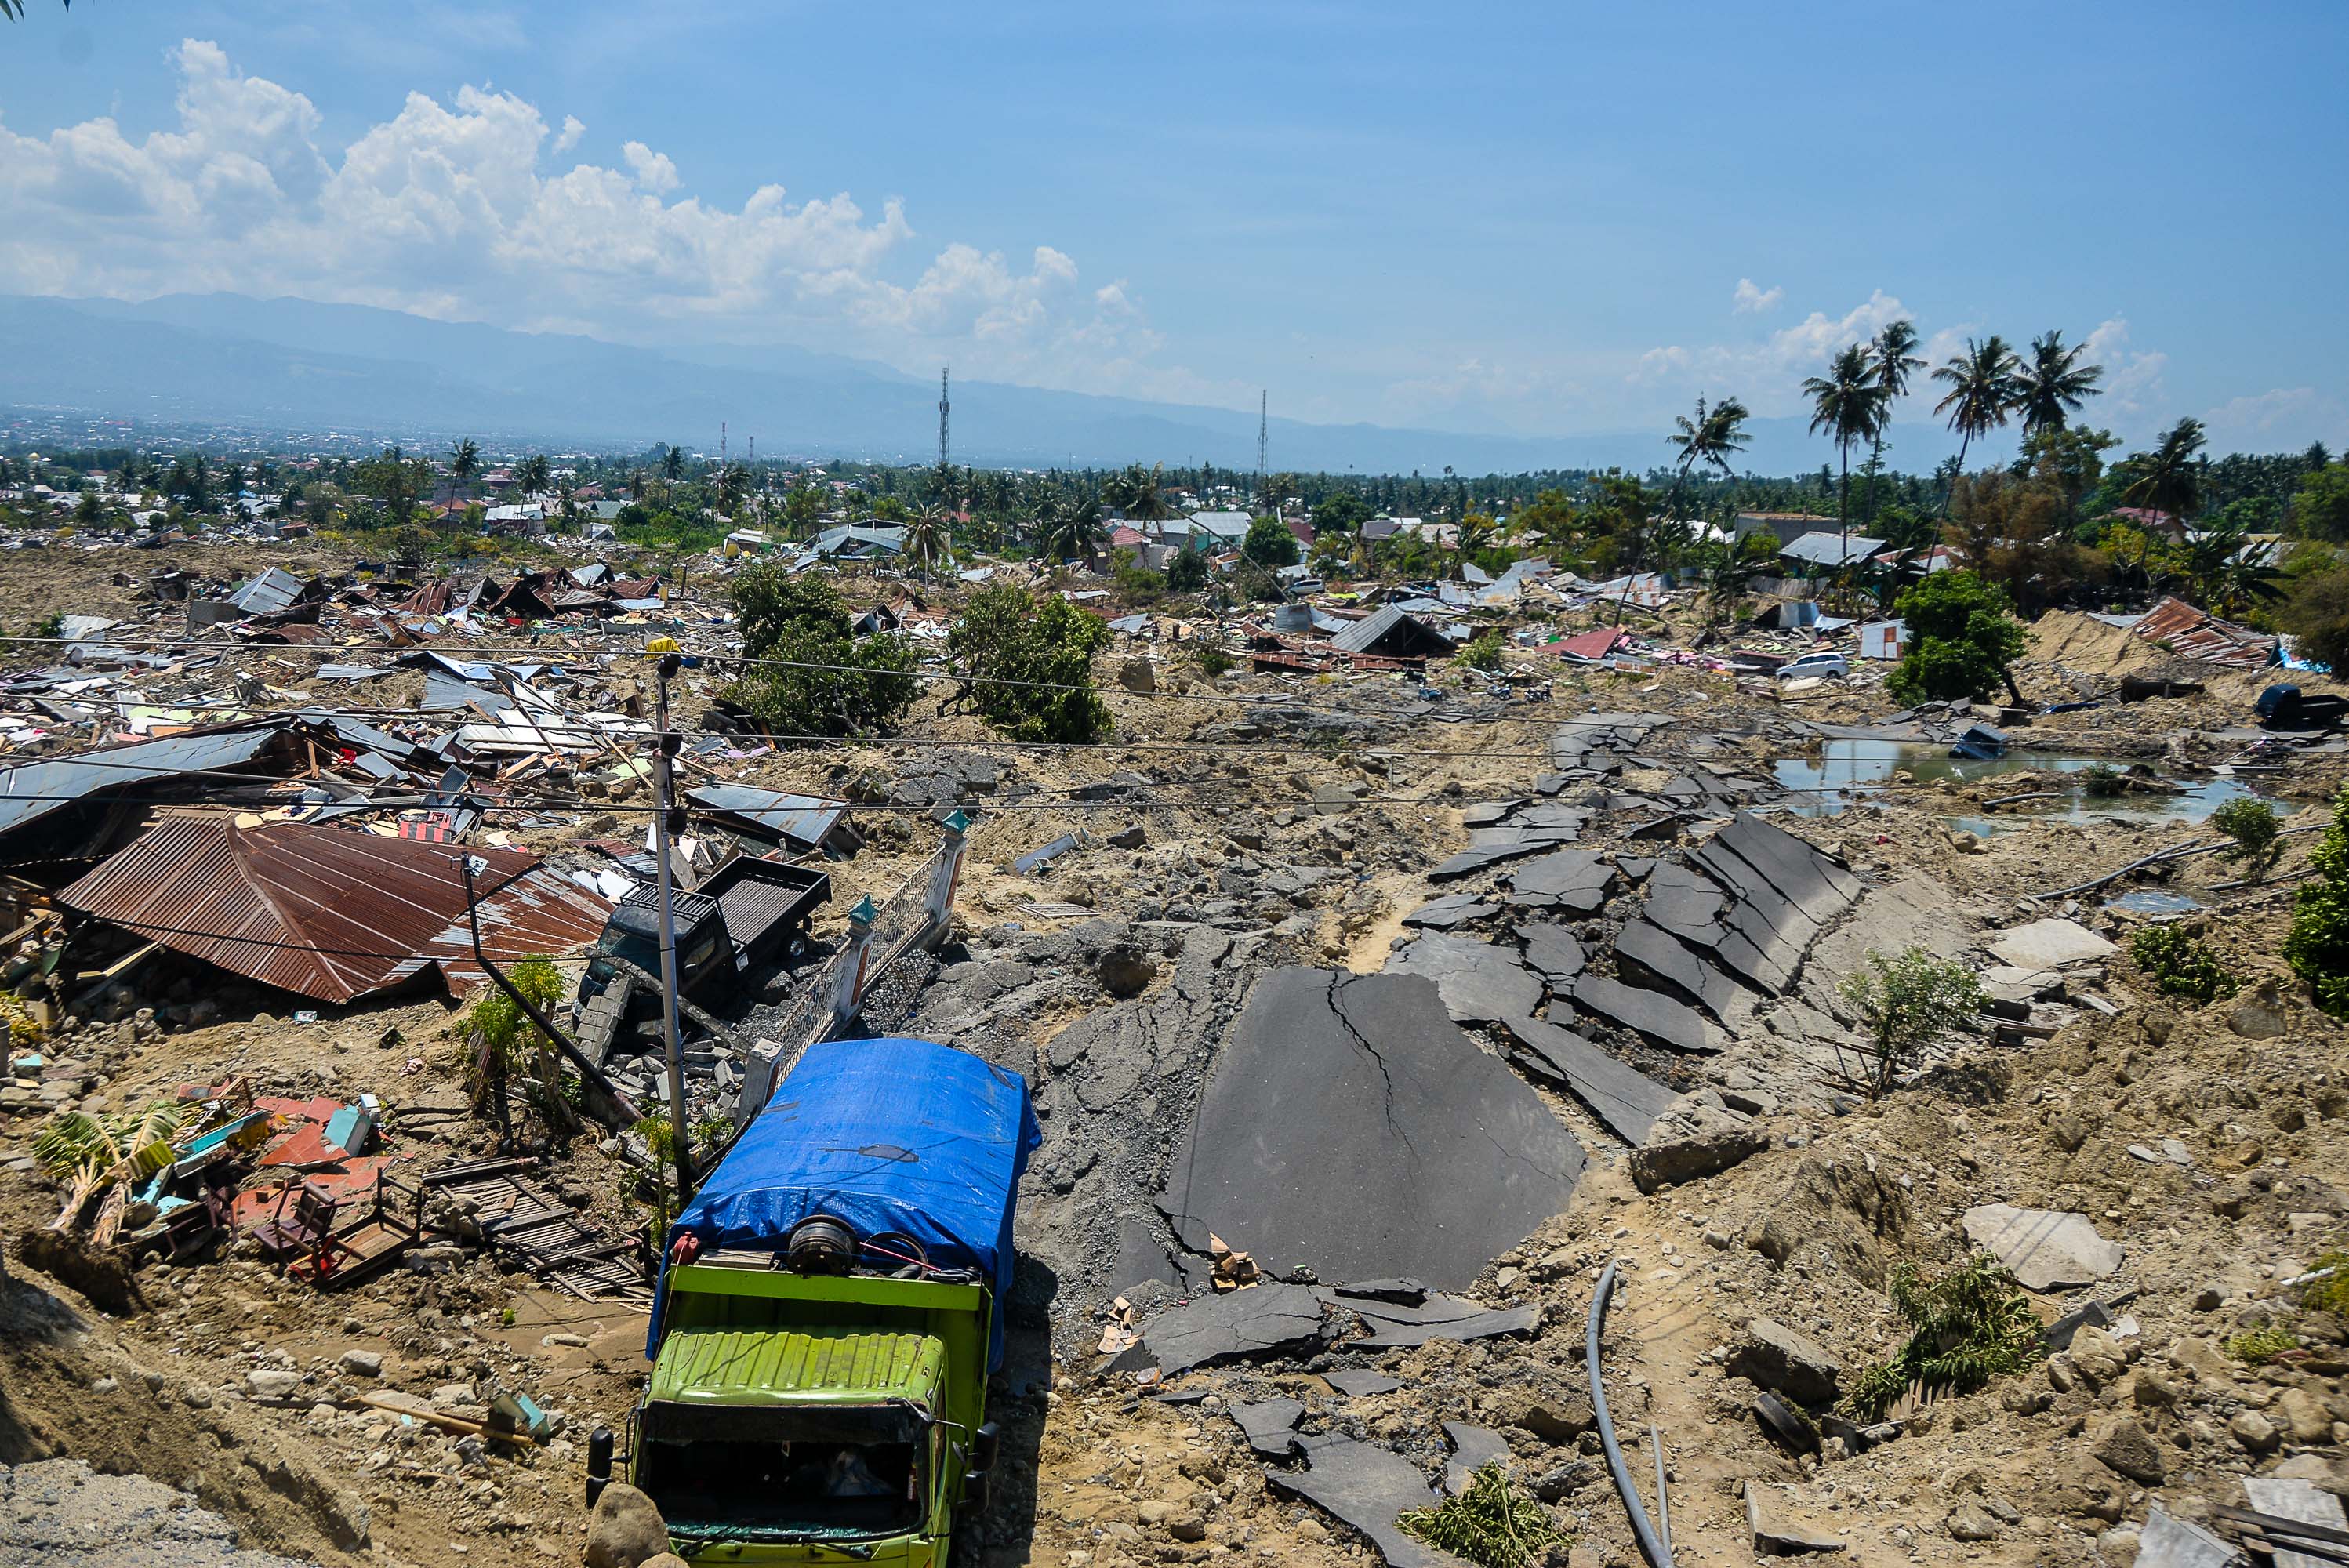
<point x="329" y="913"/>
<point x="36" y="789"/>
<point x="801" y="819"/>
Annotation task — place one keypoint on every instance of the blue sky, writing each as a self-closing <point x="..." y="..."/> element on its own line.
<point x="1526" y="219"/>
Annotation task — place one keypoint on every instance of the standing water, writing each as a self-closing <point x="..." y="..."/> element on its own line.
<point x="1846" y="771"/>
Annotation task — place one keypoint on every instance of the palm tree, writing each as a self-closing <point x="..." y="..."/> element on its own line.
<point x="637" y="482"/>
<point x="672" y="464"/>
<point x="927" y="537"/>
<point x="1710" y="440"/>
<point x="2168" y="479"/>
<point x="1845" y="403"/>
<point x="2052" y="388"/>
<point x="531" y="473"/>
<point x="1475" y="532"/>
<point x="733" y="484"/>
<point x="1896" y="360"/>
<point x="1071" y="530"/>
<point x="464" y="463"/>
<point x="1983" y="391"/>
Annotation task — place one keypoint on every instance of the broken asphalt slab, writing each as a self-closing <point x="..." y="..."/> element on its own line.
<point x="1450" y="913"/>
<point x="1358" y="1383"/>
<point x="1575" y="880"/>
<point x="1270" y="1426"/>
<point x="1650" y="1015"/>
<point x="1551" y="952"/>
<point x="1368" y="1488"/>
<point x="1480" y="983"/>
<point x="2046" y="1248"/>
<point x="1778" y="1529"/>
<point x="1241" y="1324"/>
<point x="1628" y="1100"/>
<point x="2050" y="944"/>
<point x="1349" y="1127"/>
<point x="1386" y="1335"/>
<point x="1473" y="1448"/>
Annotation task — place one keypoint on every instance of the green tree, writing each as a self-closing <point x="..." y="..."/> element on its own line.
<point x="1960" y="638"/>
<point x="1071" y="530"/>
<point x="802" y="511"/>
<point x="1983" y="392"/>
<point x="1845" y="403"/>
<point x="1905" y="1004"/>
<point x="1895" y="359"/>
<point x="1270" y="543"/>
<point x="1550" y="518"/>
<point x="817" y="676"/>
<point x="2054" y="385"/>
<point x="672" y="464"/>
<point x="397" y="482"/>
<point x="1341" y="512"/>
<point x="928" y="538"/>
<point x="1026" y="661"/>
<point x="2070" y="460"/>
<point x="2320" y="509"/>
<point x="2318" y="947"/>
<point x="1186" y="572"/>
<point x="531" y="474"/>
<point x="2317" y="615"/>
<point x="2166" y="480"/>
<point x="464" y="463"/>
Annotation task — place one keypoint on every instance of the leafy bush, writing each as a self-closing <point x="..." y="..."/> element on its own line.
<point x="2180" y="965"/>
<point x="501" y="1024"/>
<point x="2318" y="947"/>
<point x="823" y="679"/>
<point x="1962" y="638"/>
<point x="1211" y="658"/>
<point x="1028" y="664"/>
<point x="2261" y="1345"/>
<point x="1488" y="1524"/>
<point x="2332" y="1293"/>
<point x="1186" y="572"/>
<point x="2253" y="825"/>
<point x="1907" y="1003"/>
<point x="1971" y="1324"/>
<point x="1483" y="651"/>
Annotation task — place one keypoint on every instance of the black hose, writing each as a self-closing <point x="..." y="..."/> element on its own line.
<point x="1651" y="1546"/>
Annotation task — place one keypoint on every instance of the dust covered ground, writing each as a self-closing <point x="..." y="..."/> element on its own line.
<point x="1238" y="825"/>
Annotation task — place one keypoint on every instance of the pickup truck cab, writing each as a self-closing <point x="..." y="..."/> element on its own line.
<point x="828" y="1314"/>
<point x="2289" y="707"/>
<point x="1816" y="667"/>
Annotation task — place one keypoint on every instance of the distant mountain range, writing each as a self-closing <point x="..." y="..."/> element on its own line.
<point x="298" y="367"/>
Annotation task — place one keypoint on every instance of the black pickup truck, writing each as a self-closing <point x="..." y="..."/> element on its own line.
<point x="2291" y="709"/>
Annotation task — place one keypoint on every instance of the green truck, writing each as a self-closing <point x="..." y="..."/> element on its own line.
<point x="829" y="1312"/>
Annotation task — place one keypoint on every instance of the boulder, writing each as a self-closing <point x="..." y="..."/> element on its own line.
<point x="625" y="1530"/>
<point x="2124" y="1448"/>
<point x="1773" y="1355"/>
<point x="2047" y="1249"/>
<point x="1676" y="1160"/>
<point x="1778" y="1530"/>
<point x="1137" y="676"/>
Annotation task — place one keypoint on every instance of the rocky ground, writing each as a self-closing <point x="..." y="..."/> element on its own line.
<point x="1245" y="826"/>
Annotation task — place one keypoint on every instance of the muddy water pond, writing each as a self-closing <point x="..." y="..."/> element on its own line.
<point x="1845" y="772"/>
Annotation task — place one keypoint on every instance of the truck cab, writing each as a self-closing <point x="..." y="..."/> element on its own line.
<point x="827" y="1316"/>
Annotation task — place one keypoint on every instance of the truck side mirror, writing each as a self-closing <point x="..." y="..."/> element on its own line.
<point x="975" y="1492"/>
<point x="985" y="1443"/>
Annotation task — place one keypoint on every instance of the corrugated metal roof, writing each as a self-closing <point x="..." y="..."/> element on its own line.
<point x="802" y="819"/>
<point x="32" y="791"/>
<point x="2199" y="634"/>
<point x="274" y="589"/>
<point x="1825" y="549"/>
<point x="330" y="914"/>
<point x="774" y="1367"/>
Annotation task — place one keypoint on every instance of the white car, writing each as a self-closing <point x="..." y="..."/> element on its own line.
<point x="1820" y="667"/>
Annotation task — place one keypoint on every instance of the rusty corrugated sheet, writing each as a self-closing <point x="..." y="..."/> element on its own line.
<point x="2199" y="634"/>
<point x="330" y="914"/>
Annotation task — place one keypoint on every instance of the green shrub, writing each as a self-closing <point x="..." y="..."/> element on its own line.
<point x="1906" y="1003"/>
<point x="1212" y="660"/>
<point x="2262" y="1346"/>
<point x="1971" y="1324"/>
<point x="1962" y="638"/>
<point x="1489" y="1525"/>
<point x="1483" y="651"/>
<point x="1186" y="572"/>
<point x="2103" y="783"/>
<point x="2178" y="965"/>
<point x="2331" y="1294"/>
<point x="2318" y="947"/>
<point x="2252" y="825"/>
<point x="820" y="677"/>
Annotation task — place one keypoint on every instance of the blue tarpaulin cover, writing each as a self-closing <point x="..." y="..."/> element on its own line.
<point x="885" y="1135"/>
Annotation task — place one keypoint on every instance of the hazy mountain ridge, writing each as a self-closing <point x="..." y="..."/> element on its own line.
<point x="297" y="364"/>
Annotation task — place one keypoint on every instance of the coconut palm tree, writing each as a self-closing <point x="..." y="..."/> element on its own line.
<point x="1708" y="441"/>
<point x="1070" y="531"/>
<point x="2168" y="479"/>
<point x="927" y="537"/>
<point x="1845" y="403"/>
<point x="531" y="474"/>
<point x="1896" y="360"/>
<point x="2052" y="388"/>
<point x="672" y="464"/>
<point x="1983" y="391"/>
<point x="464" y="463"/>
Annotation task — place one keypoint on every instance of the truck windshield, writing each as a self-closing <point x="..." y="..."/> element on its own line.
<point x="837" y="1474"/>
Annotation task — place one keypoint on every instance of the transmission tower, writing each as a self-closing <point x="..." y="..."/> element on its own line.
<point x="1263" y="402"/>
<point x="943" y="407"/>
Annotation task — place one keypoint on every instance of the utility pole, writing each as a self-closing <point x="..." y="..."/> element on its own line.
<point x="1262" y="404"/>
<point x="679" y="1133"/>
<point x="943" y="407"/>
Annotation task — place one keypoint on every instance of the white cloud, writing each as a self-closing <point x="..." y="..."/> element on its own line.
<point x="2132" y="403"/>
<point x="654" y="170"/>
<point x="457" y="211"/>
<point x="2283" y="419"/>
<point x="1752" y="301"/>
<point x="1767" y="373"/>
